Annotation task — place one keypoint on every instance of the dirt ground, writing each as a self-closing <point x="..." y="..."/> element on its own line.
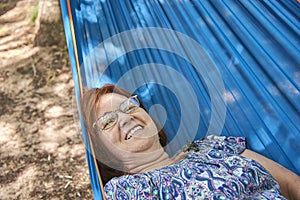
<point x="42" y="155"/>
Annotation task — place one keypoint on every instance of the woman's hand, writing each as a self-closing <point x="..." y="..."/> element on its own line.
<point x="289" y="182"/>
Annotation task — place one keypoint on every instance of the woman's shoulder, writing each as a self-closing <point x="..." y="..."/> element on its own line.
<point x="127" y="180"/>
<point x="131" y="186"/>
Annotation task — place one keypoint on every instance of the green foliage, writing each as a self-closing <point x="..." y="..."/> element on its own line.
<point x="34" y="14"/>
<point x="4" y="6"/>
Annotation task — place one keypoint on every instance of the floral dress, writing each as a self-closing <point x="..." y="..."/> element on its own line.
<point x="216" y="171"/>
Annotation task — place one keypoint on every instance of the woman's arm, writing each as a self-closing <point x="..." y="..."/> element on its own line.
<point x="289" y="182"/>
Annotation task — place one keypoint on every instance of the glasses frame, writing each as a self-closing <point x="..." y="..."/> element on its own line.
<point x="138" y="104"/>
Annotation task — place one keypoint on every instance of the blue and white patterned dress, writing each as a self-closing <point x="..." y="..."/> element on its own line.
<point x="216" y="171"/>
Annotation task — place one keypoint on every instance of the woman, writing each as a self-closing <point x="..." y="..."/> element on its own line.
<point x="134" y="165"/>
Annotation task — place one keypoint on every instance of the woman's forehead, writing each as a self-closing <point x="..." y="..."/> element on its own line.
<point x="109" y="102"/>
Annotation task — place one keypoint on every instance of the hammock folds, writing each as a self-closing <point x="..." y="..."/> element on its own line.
<point x="200" y="67"/>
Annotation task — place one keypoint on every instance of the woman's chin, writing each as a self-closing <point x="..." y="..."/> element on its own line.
<point x="141" y="144"/>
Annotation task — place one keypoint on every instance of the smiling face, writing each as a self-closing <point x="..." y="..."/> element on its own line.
<point x="125" y="130"/>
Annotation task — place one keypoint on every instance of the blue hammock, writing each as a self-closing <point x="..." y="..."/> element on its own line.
<point x="208" y="67"/>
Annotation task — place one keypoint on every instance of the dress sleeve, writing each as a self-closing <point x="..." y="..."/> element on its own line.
<point x="232" y="145"/>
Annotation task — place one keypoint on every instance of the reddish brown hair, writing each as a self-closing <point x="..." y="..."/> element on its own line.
<point x="89" y="106"/>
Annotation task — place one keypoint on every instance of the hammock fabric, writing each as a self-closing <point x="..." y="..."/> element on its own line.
<point x="208" y="67"/>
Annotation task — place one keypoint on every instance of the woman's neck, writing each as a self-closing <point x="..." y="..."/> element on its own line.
<point x="148" y="162"/>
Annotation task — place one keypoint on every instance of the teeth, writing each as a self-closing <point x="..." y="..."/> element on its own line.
<point x="132" y="132"/>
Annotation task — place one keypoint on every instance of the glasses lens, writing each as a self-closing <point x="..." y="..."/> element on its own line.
<point x="130" y="105"/>
<point x="135" y="100"/>
<point x="108" y="120"/>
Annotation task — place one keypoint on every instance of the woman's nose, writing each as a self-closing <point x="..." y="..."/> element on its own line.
<point x="124" y="119"/>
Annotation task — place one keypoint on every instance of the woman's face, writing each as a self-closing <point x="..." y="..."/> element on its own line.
<point x="124" y="133"/>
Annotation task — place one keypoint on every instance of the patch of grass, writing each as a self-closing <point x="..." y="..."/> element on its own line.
<point x="4" y="6"/>
<point x="34" y="14"/>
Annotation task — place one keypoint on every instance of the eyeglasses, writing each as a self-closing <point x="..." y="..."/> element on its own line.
<point x="109" y="119"/>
